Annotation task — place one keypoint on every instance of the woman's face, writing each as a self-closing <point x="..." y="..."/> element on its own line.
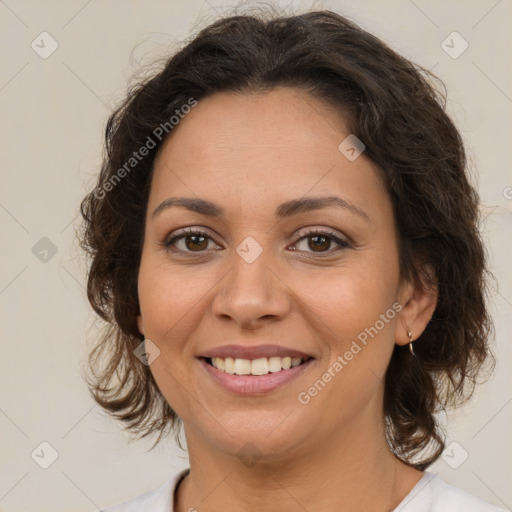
<point x="266" y="277"/>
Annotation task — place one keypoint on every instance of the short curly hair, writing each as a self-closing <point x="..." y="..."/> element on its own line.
<point x="389" y="103"/>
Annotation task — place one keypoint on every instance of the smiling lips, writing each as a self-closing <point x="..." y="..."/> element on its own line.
<point x="254" y="360"/>
<point x="260" y="366"/>
<point x="253" y="369"/>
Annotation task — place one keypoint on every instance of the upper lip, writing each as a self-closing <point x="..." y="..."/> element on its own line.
<point x="253" y="352"/>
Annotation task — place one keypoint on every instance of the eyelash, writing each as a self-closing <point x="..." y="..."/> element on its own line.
<point x="343" y="244"/>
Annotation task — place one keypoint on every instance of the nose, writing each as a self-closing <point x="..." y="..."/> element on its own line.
<point x="252" y="293"/>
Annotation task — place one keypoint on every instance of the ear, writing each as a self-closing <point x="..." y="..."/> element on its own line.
<point x="418" y="300"/>
<point x="140" y="325"/>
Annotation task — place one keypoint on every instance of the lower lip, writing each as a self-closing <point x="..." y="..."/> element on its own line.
<point x="253" y="385"/>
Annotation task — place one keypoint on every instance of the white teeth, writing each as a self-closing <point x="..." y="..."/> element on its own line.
<point x="229" y="365"/>
<point x="274" y="364"/>
<point x="296" y="361"/>
<point x="242" y="366"/>
<point x="260" y="366"/>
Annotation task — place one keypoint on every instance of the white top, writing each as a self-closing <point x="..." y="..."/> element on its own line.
<point x="430" y="494"/>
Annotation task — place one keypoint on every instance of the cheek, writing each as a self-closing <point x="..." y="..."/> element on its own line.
<point x="357" y="343"/>
<point x="170" y="299"/>
<point x="170" y="303"/>
<point x="351" y="297"/>
<point x="354" y="316"/>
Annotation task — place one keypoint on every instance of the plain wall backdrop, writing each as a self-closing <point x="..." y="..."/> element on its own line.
<point x="54" y="103"/>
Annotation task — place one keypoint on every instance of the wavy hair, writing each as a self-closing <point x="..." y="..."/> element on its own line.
<point x="389" y="103"/>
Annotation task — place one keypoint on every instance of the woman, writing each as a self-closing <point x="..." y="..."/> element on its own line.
<point x="284" y="242"/>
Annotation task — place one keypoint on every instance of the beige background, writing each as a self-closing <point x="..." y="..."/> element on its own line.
<point x="53" y="113"/>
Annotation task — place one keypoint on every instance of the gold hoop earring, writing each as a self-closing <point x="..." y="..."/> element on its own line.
<point x="411" y="350"/>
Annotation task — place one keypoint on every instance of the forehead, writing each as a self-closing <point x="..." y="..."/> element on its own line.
<point x="265" y="147"/>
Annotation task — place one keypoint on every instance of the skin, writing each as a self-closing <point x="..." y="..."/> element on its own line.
<point x="248" y="154"/>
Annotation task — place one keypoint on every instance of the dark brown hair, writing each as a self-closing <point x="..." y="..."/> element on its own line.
<point x="391" y="105"/>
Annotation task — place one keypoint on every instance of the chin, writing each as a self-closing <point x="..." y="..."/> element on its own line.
<point x="258" y="435"/>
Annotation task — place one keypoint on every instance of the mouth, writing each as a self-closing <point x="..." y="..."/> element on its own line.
<point x="255" y="367"/>
<point x="254" y="377"/>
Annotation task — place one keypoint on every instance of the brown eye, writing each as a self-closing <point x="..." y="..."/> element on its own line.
<point x="188" y="241"/>
<point x="320" y="242"/>
<point x="195" y="242"/>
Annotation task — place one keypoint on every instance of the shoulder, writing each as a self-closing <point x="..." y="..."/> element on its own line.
<point x="446" y="497"/>
<point x="438" y="496"/>
<point x="158" y="500"/>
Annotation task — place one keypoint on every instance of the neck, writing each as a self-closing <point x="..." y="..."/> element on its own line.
<point x="355" y="475"/>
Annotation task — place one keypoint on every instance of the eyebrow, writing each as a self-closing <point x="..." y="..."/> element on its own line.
<point x="287" y="209"/>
